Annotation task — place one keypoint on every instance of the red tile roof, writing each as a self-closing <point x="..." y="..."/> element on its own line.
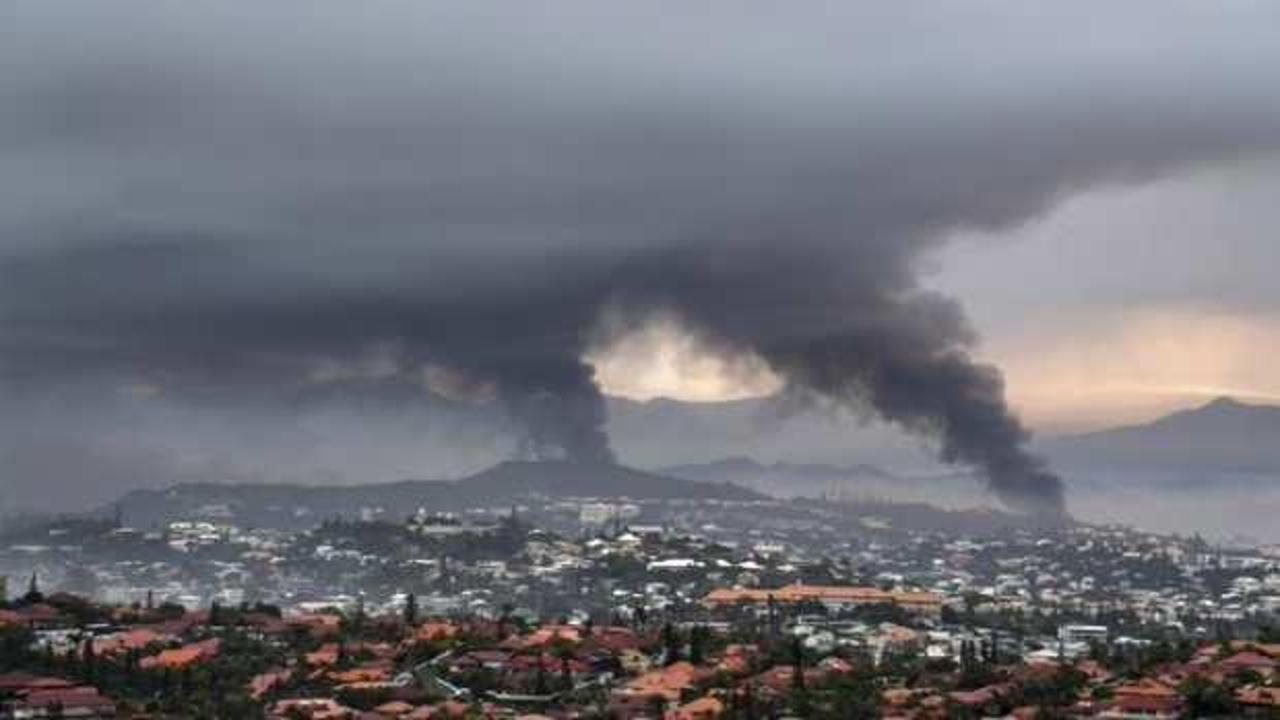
<point x="262" y="684"/>
<point x="704" y="708"/>
<point x="184" y="656"/>
<point x="70" y="699"/>
<point x="1259" y="697"/>
<point x="21" y="681"/>
<point x="1146" y="696"/>
<point x="1249" y="660"/>
<point x="668" y="683"/>
<point x="126" y="641"/>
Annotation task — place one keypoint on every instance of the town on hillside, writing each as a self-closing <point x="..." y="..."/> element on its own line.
<point x="712" y="610"/>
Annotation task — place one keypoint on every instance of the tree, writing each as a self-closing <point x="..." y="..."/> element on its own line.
<point x="504" y="619"/>
<point x="746" y="703"/>
<point x="355" y="624"/>
<point x="129" y="670"/>
<point x="411" y="609"/>
<point x="852" y="697"/>
<point x="800" y="701"/>
<point x="540" y="685"/>
<point x="1060" y="689"/>
<point x="171" y="610"/>
<point x="671" y="644"/>
<point x="697" y="644"/>
<point x="903" y="664"/>
<point x="267" y="609"/>
<point x="797" y="661"/>
<point x="975" y="671"/>
<point x="566" y="670"/>
<point x="90" y="661"/>
<point x="1206" y="698"/>
<point x="33" y="590"/>
<point x="15" y="646"/>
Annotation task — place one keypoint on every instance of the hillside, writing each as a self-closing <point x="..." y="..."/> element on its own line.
<point x="375" y="430"/>
<point x="784" y="479"/>
<point x="1225" y="436"/>
<point x="561" y="479"/>
<point x="288" y="505"/>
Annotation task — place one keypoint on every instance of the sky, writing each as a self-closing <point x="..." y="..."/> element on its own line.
<point x="1131" y="302"/>
<point x="217" y="217"/>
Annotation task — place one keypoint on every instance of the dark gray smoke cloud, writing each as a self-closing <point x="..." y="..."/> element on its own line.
<point x="242" y="197"/>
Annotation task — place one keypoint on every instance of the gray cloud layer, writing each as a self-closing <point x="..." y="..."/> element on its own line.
<point x="234" y="196"/>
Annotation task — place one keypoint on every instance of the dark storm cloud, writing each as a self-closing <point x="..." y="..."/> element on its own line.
<point x="238" y="195"/>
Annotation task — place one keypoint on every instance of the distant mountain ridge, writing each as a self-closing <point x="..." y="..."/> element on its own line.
<point x="783" y="479"/>
<point x="505" y="484"/>
<point x="1223" y="436"/>
<point x="773" y="477"/>
<point x="742" y="463"/>
<point x="587" y="480"/>
<point x="355" y="430"/>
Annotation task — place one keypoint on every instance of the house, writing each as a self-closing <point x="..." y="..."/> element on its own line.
<point x="123" y="642"/>
<point x="394" y="709"/>
<point x="738" y="659"/>
<point x="833" y="597"/>
<point x="475" y="660"/>
<point x="435" y="632"/>
<point x="265" y="624"/>
<point x="324" y="656"/>
<point x="635" y="662"/>
<point x="1250" y="661"/>
<point x="39" y="615"/>
<point x="980" y="698"/>
<point x="79" y="702"/>
<point x="613" y="639"/>
<point x="16" y="683"/>
<point x="551" y="635"/>
<point x="779" y="679"/>
<point x="1261" y="699"/>
<point x="704" y="708"/>
<point x="320" y="625"/>
<point x="659" y="688"/>
<point x="362" y="674"/>
<point x="264" y="683"/>
<point x="178" y="658"/>
<point x="1144" y="699"/>
<point x="310" y="708"/>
